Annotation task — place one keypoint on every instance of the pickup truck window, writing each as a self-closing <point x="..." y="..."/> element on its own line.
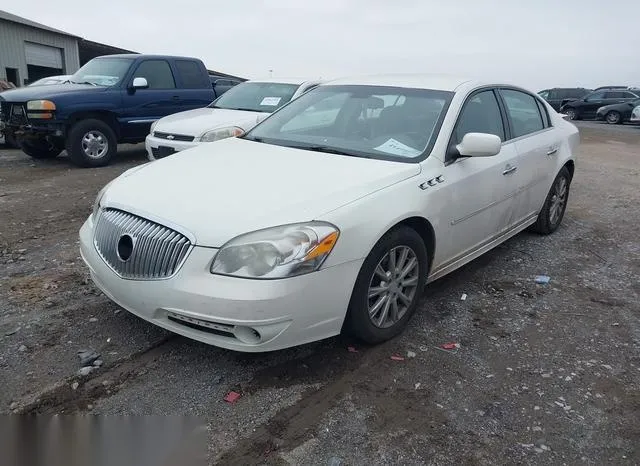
<point x="191" y="75"/>
<point x="157" y="73"/>
<point x="102" y="71"/>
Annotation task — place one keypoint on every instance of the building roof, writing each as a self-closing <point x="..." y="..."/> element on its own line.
<point x="5" y="15"/>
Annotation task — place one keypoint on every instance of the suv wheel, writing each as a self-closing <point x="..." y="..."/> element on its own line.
<point x="388" y="287"/>
<point x="38" y="148"/>
<point x="613" y="118"/>
<point x="91" y="143"/>
<point x="571" y="113"/>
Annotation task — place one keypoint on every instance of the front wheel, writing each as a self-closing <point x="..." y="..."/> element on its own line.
<point x="571" y="113"/>
<point x="39" y="148"/>
<point x="552" y="212"/>
<point x="91" y="143"/>
<point x="388" y="287"/>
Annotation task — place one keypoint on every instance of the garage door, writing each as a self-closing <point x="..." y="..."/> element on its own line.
<point x="43" y="55"/>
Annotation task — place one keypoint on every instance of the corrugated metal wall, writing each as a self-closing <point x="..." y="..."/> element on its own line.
<point x="12" y="54"/>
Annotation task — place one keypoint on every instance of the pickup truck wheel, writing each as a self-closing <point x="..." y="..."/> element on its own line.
<point x="39" y="148"/>
<point x="91" y="143"/>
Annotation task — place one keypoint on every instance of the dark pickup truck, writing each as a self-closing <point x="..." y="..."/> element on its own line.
<point x="110" y="100"/>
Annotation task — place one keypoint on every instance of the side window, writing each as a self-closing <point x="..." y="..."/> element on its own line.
<point x="157" y="73"/>
<point x="595" y="96"/>
<point x="192" y="75"/>
<point x="545" y="115"/>
<point x="555" y="94"/>
<point x="629" y="95"/>
<point x="523" y="112"/>
<point x="613" y="95"/>
<point x="480" y="114"/>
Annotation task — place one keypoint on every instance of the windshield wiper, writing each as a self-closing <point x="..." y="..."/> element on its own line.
<point x="83" y="82"/>
<point x="328" y="150"/>
<point x="243" y="109"/>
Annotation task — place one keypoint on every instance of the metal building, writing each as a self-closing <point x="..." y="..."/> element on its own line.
<point x="30" y="51"/>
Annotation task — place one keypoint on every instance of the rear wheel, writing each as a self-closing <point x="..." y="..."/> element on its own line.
<point x="39" y="148"/>
<point x="388" y="287"/>
<point x="613" y="118"/>
<point x="552" y="212"/>
<point x="91" y="143"/>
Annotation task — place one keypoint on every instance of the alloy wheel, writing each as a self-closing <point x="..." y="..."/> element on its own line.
<point x="558" y="200"/>
<point x="95" y="144"/>
<point x="393" y="286"/>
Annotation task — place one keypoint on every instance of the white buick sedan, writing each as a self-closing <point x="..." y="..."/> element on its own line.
<point x="332" y="213"/>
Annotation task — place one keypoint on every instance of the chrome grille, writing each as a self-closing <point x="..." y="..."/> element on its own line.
<point x="158" y="251"/>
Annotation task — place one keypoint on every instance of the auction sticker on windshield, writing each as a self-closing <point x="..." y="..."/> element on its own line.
<point x="397" y="148"/>
<point x="271" y="101"/>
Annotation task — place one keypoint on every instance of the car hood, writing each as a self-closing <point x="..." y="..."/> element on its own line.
<point x="220" y="190"/>
<point x="198" y="121"/>
<point x="48" y="92"/>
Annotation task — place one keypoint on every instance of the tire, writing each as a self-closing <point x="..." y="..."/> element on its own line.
<point x="91" y="143"/>
<point x="552" y="212"/>
<point x="571" y="113"/>
<point x="39" y="148"/>
<point x="358" y="321"/>
<point x="613" y="118"/>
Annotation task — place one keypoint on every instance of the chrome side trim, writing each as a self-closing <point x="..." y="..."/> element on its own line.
<point x="483" y="247"/>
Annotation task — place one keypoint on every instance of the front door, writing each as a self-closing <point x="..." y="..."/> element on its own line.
<point x="144" y="106"/>
<point x="479" y="191"/>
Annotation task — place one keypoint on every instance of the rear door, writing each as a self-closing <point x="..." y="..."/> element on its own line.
<point x="537" y="144"/>
<point x="144" y="106"/>
<point x="193" y="81"/>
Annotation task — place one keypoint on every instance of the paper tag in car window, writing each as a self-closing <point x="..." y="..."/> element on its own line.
<point x="271" y="101"/>
<point x="397" y="148"/>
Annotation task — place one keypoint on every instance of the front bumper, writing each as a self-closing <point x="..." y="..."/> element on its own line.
<point x="155" y="145"/>
<point x="233" y="313"/>
<point x="600" y="116"/>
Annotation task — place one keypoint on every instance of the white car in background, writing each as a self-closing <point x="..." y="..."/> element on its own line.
<point x="332" y="213"/>
<point x="231" y="114"/>
<point x="635" y="115"/>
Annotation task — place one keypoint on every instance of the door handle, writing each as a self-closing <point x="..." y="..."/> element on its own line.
<point x="509" y="169"/>
<point x="552" y="150"/>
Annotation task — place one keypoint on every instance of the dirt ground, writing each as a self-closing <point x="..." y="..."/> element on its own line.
<point x="545" y="374"/>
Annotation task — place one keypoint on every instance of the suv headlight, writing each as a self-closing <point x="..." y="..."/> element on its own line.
<point x="153" y="126"/>
<point x="221" y="133"/>
<point x="278" y="252"/>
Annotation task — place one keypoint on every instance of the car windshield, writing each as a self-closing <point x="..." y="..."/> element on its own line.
<point x="389" y="123"/>
<point x="102" y="72"/>
<point x="256" y="97"/>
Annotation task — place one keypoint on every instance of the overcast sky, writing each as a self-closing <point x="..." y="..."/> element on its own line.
<point x="534" y="43"/>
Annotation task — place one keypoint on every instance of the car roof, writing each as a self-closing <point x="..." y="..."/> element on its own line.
<point x="297" y="81"/>
<point x="419" y="81"/>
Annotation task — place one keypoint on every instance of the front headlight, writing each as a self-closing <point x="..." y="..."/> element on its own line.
<point x="153" y="126"/>
<point x="46" y="105"/>
<point x="599" y="109"/>
<point x="278" y="252"/>
<point x="97" y="203"/>
<point x="221" y="133"/>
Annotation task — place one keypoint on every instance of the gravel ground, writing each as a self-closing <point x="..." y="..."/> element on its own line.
<point x="545" y="374"/>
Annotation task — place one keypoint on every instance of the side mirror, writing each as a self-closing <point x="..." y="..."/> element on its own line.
<point x="140" y="83"/>
<point x="479" y="145"/>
